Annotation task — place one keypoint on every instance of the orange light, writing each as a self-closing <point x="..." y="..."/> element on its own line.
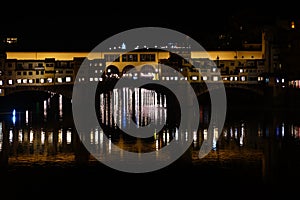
<point x="292" y="24"/>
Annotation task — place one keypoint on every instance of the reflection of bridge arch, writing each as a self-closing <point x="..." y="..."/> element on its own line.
<point x="202" y="88"/>
<point x="65" y="90"/>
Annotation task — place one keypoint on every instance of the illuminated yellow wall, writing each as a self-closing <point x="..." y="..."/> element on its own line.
<point x="223" y="55"/>
<point x="227" y="55"/>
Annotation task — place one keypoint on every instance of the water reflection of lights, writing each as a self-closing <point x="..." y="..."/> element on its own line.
<point x="215" y="138"/>
<point x="1" y="136"/>
<point x="14" y="116"/>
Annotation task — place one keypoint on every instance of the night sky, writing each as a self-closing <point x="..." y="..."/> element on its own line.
<point x="82" y="32"/>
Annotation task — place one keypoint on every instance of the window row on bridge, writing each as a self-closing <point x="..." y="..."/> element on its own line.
<point x="25" y="81"/>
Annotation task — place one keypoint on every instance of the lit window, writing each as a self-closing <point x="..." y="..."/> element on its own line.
<point x="215" y="78"/>
<point x="19" y="80"/>
<point x="49" y="80"/>
<point x="59" y="80"/>
<point x="42" y="80"/>
<point x="194" y="78"/>
<point x="30" y="80"/>
<point x="243" y="78"/>
<point x="205" y="78"/>
<point x="68" y="79"/>
<point x="10" y="82"/>
<point x="1" y="82"/>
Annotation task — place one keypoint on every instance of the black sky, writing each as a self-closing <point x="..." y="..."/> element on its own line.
<point x="81" y="31"/>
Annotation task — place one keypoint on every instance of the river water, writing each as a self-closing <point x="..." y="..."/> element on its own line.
<point x="37" y="131"/>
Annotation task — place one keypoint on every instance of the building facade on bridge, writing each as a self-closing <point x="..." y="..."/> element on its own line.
<point x="55" y="68"/>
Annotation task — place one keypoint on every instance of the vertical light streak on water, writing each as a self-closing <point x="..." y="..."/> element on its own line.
<point x="60" y="105"/>
<point x="106" y="108"/>
<point x="129" y="107"/>
<point x="1" y="137"/>
<point x="92" y="136"/>
<point x="116" y="106"/>
<point x="215" y="138"/>
<point x="20" y="136"/>
<point x="137" y="103"/>
<point x="195" y="138"/>
<point x="101" y="140"/>
<point x="45" y="109"/>
<point x="60" y="136"/>
<point x="26" y="116"/>
<point x="282" y="129"/>
<point x="111" y="109"/>
<point x="43" y="136"/>
<point x="11" y="135"/>
<point x="101" y="108"/>
<point x="50" y="137"/>
<point x="96" y="136"/>
<point x="242" y="134"/>
<point x="69" y="136"/>
<point x="142" y="103"/>
<point x="14" y="116"/>
<point x="31" y="136"/>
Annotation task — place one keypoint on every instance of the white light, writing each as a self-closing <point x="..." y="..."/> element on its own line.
<point x="42" y="80"/>
<point x="205" y="134"/>
<point x="215" y="78"/>
<point x="69" y="136"/>
<point x="10" y="82"/>
<point x="24" y="80"/>
<point x="205" y="78"/>
<point x="1" y="82"/>
<point x="30" y="80"/>
<point x="68" y="79"/>
<point x="194" y="78"/>
<point x="26" y="116"/>
<point x="59" y="80"/>
<point x="19" y="80"/>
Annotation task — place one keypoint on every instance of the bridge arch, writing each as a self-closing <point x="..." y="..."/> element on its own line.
<point x="112" y="71"/>
<point x="147" y="71"/>
<point x="129" y="70"/>
<point x="202" y="88"/>
<point x="235" y="95"/>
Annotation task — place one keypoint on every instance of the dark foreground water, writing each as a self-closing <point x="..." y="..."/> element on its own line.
<point x="256" y="155"/>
